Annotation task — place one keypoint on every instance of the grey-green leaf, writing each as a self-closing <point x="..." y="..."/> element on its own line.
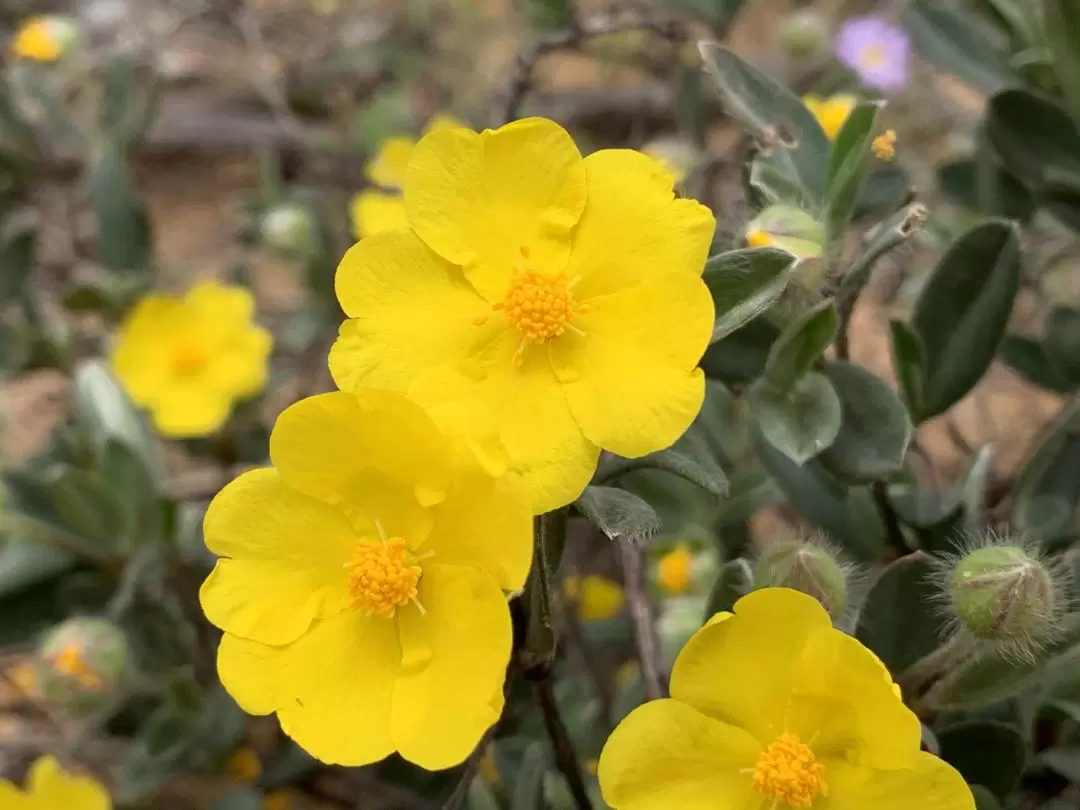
<point x="800" y="345"/>
<point x="848" y="164"/>
<point x="618" y="513"/>
<point x="744" y="283"/>
<point x="1032" y="134"/>
<point x="1062" y="345"/>
<point x="963" y="310"/>
<point x="802" y="421"/>
<point x="1028" y="358"/>
<point x="124" y="238"/>
<point x="909" y="361"/>
<point x="986" y="752"/>
<point x="875" y="427"/>
<point x="1062" y="27"/>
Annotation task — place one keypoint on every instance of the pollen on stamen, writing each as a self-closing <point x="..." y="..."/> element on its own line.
<point x="383" y="577"/>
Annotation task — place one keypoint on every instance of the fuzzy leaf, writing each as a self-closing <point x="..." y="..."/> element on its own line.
<point x="744" y="283"/>
<point x="986" y="753"/>
<point x="848" y="164"/>
<point x="800" y="345"/>
<point x="618" y="513"/>
<point x="802" y="422"/>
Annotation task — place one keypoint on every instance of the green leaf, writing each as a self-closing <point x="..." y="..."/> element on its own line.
<point x="124" y="239"/>
<point x="550" y="13"/>
<point x="1063" y="202"/>
<point x="23" y="564"/>
<point x="1028" y="359"/>
<point x="18" y="246"/>
<point x="955" y="42"/>
<point x="240" y="799"/>
<point x="618" y="513"/>
<point x="1002" y="195"/>
<point x="1062" y="27"/>
<point x="778" y="187"/>
<point x="131" y="482"/>
<point x="848" y="164"/>
<point x="802" y="421"/>
<point x="797" y="146"/>
<point x="1032" y="134"/>
<point x="481" y="797"/>
<point x="909" y="361"/>
<point x="699" y="468"/>
<point x="887" y="188"/>
<point x="130" y="100"/>
<point x="900" y="621"/>
<point x="744" y="283"/>
<point x="1017" y="20"/>
<point x="986" y="753"/>
<point x="1063" y="342"/>
<point x="800" y="346"/>
<point x="734" y="580"/>
<point x="529" y="785"/>
<point x="741" y="356"/>
<point x="1064" y="759"/>
<point x="875" y="427"/>
<point x="1051" y="470"/>
<point x="963" y="310"/>
<point x="984" y="798"/>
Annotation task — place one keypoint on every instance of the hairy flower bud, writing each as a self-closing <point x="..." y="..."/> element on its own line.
<point x="81" y="663"/>
<point x="1005" y="595"/>
<point x="788" y="228"/>
<point x="807" y="567"/>
<point x="804" y="33"/>
<point x="289" y="228"/>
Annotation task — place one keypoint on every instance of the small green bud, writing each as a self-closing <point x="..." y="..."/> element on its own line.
<point x="804" y="33"/>
<point x="1003" y="594"/>
<point x="289" y="228"/>
<point x="81" y="664"/>
<point x="812" y="569"/>
<point x="788" y="228"/>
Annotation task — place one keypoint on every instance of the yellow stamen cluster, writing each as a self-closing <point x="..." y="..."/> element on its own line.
<point x="383" y="577"/>
<point x="873" y="56"/>
<point x="758" y="238"/>
<point x="540" y="306"/>
<point x="787" y="772"/>
<point x="70" y="661"/>
<point x="188" y="357"/>
<point x="884" y="145"/>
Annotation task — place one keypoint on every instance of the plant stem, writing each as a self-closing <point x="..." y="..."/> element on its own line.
<point x="641" y="615"/>
<point x="566" y="759"/>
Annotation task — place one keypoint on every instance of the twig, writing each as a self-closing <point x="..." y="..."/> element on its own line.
<point x="566" y="758"/>
<point x="468" y="774"/>
<point x="579" y="31"/>
<point x="641" y="615"/>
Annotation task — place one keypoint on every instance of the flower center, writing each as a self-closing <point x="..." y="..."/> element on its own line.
<point x="383" y="576"/>
<point x="787" y="771"/>
<point x="189" y="357"/>
<point x="540" y="306"/>
<point x="873" y="56"/>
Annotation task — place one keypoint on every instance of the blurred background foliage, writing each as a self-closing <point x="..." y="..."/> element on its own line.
<point x="905" y="386"/>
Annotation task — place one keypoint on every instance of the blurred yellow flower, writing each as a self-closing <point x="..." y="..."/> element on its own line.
<point x="675" y="569"/>
<point x="244" y="766"/>
<point x="595" y="599"/>
<point x="71" y="662"/>
<point x="188" y="360"/>
<point x="831" y="112"/>
<point x="555" y="299"/>
<point x="36" y="40"/>
<point x="884" y="145"/>
<point x="374" y="210"/>
<point x="277" y="800"/>
<point x="48" y="787"/>
<point x="772" y="707"/>
<point x="361" y="583"/>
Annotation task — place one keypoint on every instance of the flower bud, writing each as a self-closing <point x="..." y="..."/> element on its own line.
<point x="1003" y="594"/>
<point x="289" y="228"/>
<point x="788" y="228"/>
<point x="46" y="39"/>
<point x="807" y="567"/>
<point x="804" y="33"/>
<point x="689" y="566"/>
<point x="81" y="663"/>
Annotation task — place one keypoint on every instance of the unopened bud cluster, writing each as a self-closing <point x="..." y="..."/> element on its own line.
<point x="81" y="663"/>
<point x="810" y="567"/>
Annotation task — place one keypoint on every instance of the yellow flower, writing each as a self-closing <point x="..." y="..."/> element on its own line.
<point x="884" y="145"/>
<point x="774" y="708"/>
<point x="372" y="210"/>
<point x="555" y="299"/>
<point x="361" y="583"/>
<point x="36" y="40"/>
<point x="674" y="572"/>
<point x="278" y="800"/>
<point x="244" y="766"/>
<point x="50" y="788"/>
<point x="188" y="360"/>
<point x="595" y="599"/>
<point x="831" y="112"/>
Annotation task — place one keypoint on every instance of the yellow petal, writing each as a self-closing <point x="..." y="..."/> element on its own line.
<point x="373" y="212"/>
<point x="666" y="754"/>
<point x="411" y="313"/>
<point x="632" y="382"/>
<point x="285" y="553"/>
<point x="454" y="657"/>
<point x="189" y="408"/>
<point x="50" y="786"/>
<point x="220" y="307"/>
<point x="238" y="365"/>
<point x="634" y="230"/>
<point x="930" y="783"/>
<point x="486" y="524"/>
<point x="11" y="798"/>
<point x="740" y="670"/>
<point x="331" y="688"/>
<point x="322" y="444"/>
<point x="139" y="356"/>
<point x="842" y="699"/>
<point x="390" y="163"/>
<point x="480" y="199"/>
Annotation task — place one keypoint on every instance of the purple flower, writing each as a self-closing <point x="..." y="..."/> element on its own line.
<point x="877" y="50"/>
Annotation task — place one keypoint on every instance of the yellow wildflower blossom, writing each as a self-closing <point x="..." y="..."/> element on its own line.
<point x="36" y="40"/>
<point x="361" y="583"/>
<point x="831" y="112"/>
<point x="374" y="210"/>
<point x="772" y="707"/>
<point x="244" y="766"/>
<point x="189" y="359"/>
<point x="884" y="145"/>
<point x="675" y="570"/>
<point x="595" y="599"/>
<point x="49" y="787"/>
<point x="556" y="299"/>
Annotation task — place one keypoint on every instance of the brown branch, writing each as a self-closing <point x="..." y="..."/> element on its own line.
<point x="566" y="758"/>
<point x="641" y="615"/>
